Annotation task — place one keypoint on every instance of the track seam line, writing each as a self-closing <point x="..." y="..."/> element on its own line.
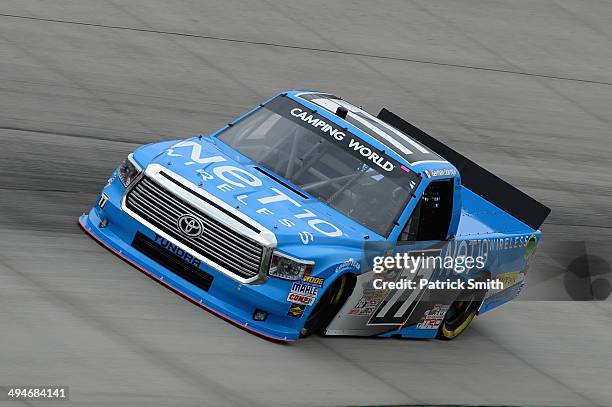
<point x="579" y="225"/>
<point x="303" y="48"/>
<point x="39" y="190"/>
<point x="75" y="135"/>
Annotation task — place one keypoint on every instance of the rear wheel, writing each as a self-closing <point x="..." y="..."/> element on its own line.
<point x="329" y="305"/>
<point x="460" y="314"/>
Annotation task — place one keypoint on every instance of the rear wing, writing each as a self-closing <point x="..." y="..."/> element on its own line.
<point x="477" y="179"/>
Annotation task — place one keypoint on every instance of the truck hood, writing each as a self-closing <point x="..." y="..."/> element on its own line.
<point x="298" y="222"/>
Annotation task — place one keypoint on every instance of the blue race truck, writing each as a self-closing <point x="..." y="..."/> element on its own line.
<point x="288" y="220"/>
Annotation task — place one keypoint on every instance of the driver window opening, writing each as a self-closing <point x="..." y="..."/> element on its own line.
<point x="432" y="216"/>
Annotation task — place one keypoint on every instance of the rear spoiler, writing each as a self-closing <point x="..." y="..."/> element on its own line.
<point x="477" y="179"/>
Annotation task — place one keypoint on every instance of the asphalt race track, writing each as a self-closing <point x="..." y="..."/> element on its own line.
<point x="524" y="88"/>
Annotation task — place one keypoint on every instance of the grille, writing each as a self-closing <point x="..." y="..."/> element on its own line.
<point x="217" y="242"/>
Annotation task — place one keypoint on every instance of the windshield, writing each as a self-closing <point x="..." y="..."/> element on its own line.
<point x="326" y="161"/>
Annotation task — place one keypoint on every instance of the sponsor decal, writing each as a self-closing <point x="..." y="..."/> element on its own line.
<point x="296" y="310"/>
<point x="532" y="244"/>
<point x="355" y="144"/>
<point x="306" y="237"/>
<point x="111" y="179"/>
<point x="483" y="248"/>
<point x="176" y="250"/>
<point x="318" y="123"/>
<point x="368" y="303"/>
<point x="375" y="127"/>
<point x="342" y="137"/>
<point x="433" y="318"/>
<point x="103" y="200"/>
<point x="303" y="293"/>
<point x="508" y="279"/>
<point x="300" y="298"/>
<point x="306" y="289"/>
<point x="350" y="263"/>
<point x="445" y="172"/>
<point x="507" y="243"/>
<point x="315" y="281"/>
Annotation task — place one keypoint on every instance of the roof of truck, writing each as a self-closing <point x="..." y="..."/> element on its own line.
<point x="402" y="144"/>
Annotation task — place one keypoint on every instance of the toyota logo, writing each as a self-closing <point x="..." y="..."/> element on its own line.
<point x="190" y="225"/>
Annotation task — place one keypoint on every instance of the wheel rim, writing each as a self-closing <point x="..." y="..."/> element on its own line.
<point x="331" y="298"/>
<point x="459" y="317"/>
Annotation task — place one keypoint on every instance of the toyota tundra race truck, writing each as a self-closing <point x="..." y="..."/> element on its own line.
<point x="295" y="218"/>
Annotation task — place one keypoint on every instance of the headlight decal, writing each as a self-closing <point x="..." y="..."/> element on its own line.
<point x="288" y="268"/>
<point x="128" y="171"/>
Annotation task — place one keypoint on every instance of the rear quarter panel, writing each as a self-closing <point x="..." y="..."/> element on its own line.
<point x="507" y="243"/>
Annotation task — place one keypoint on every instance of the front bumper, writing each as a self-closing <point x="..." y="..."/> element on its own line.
<point x="226" y="297"/>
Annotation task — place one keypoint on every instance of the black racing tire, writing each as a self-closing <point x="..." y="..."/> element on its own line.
<point x="328" y="305"/>
<point x="461" y="313"/>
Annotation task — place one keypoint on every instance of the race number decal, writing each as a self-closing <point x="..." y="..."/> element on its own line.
<point x="397" y="306"/>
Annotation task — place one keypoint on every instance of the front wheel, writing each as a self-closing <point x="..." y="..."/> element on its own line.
<point x="329" y="304"/>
